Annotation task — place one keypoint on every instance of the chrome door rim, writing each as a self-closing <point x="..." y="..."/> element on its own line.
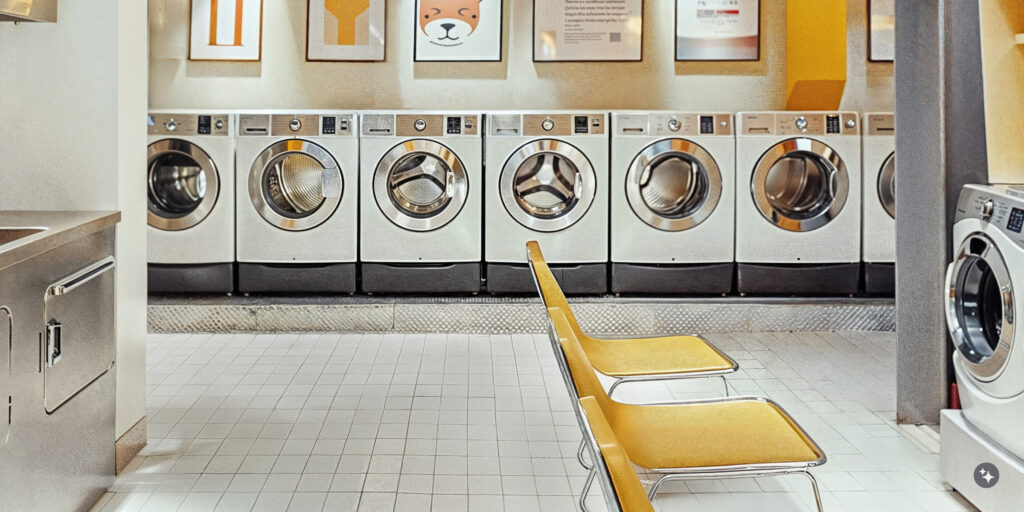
<point x="262" y="165"/>
<point x="456" y="186"/>
<point x="205" y="163"/>
<point x="979" y="248"/>
<point x="839" y="183"/>
<point x="584" y="196"/>
<point x="654" y="153"/>
<point x="887" y="185"/>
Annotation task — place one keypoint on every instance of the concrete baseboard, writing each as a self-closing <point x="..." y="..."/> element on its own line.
<point x="129" y="445"/>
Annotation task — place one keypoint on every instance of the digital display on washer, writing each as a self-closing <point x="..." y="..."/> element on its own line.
<point x="1016" y="221"/>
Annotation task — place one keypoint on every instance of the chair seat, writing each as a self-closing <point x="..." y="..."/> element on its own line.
<point x="655" y="356"/>
<point x="727" y="433"/>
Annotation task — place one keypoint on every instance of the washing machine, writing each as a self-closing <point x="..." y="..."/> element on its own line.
<point x="879" y="188"/>
<point x="191" y="176"/>
<point x="420" y="222"/>
<point x="673" y="180"/>
<point x="296" y="200"/>
<point x="981" y="445"/>
<point x="547" y="180"/>
<point x="798" y="203"/>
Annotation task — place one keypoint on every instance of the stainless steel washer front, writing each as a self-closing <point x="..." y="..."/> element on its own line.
<point x="673" y="185"/>
<point x="800" y="184"/>
<point x="183" y="184"/>
<point x="295" y="184"/>
<point x="887" y="185"/>
<point x="547" y="185"/>
<point x="420" y="185"/>
<point x="980" y="307"/>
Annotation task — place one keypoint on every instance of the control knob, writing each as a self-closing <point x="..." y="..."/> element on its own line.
<point x="850" y="123"/>
<point x="674" y="125"/>
<point x="171" y="125"/>
<point x="801" y="123"/>
<point x="987" y="208"/>
<point x="219" y="124"/>
<point x="548" y="125"/>
<point x="420" y="125"/>
<point x="295" y="125"/>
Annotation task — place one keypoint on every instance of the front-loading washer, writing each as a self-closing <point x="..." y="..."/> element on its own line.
<point x="672" y="202"/>
<point x="422" y="183"/>
<point x="297" y="189"/>
<point x="981" y="445"/>
<point x="191" y="213"/>
<point x="798" y="203"/>
<point x="547" y="180"/>
<point x="879" y="189"/>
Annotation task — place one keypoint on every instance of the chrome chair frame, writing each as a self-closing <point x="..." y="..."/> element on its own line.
<point x="667" y="474"/>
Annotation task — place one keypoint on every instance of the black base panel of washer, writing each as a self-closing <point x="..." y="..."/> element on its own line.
<point x="297" y="278"/>
<point x="696" y="279"/>
<point x="208" y="278"/>
<point x="429" y="279"/>
<point x="584" y="279"/>
<point x="830" y="279"/>
<point x="880" y="278"/>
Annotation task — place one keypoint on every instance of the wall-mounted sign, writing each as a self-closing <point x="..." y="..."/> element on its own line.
<point x="587" y="30"/>
<point x="339" y="30"/>
<point x="718" y="30"/>
<point x="881" y="30"/>
<point x="226" y="30"/>
<point x="458" y="30"/>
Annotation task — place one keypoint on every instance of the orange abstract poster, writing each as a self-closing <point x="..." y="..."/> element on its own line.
<point x="345" y="30"/>
<point x="226" y="30"/>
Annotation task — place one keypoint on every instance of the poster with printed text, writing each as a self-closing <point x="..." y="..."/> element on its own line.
<point x="587" y="30"/>
<point x="458" y="30"/>
<point x="226" y="30"/>
<point x="881" y="30"/>
<point x="718" y="30"/>
<point x="345" y="30"/>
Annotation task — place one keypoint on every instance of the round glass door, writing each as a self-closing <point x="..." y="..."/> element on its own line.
<point x="980" y="307"/>
<point x="800" y="185"/>
<point x="673" y="185"/>
<point x="547" y="185"/>
<point x="295" y="184"/>
<point x="420" y="185"/>
<point x="183" y="184"/>
<point x="887" y="185"/>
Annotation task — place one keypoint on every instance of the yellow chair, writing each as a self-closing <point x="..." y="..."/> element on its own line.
<point x="623" y="491"/>
<point x="697" y="439"/>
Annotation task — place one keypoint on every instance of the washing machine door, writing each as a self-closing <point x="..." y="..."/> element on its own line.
<point x="887" y="185"/>
<point x="547" y="185"/>
<point x="183" y="184"/>
<point x="800" y="184"/>
<point x="673" y="185"/>
<point x="420" y="185"/>
<point x="979" y="307"/>
<point x="295" y="184"/>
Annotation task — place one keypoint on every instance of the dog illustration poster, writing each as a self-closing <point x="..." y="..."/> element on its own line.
<point x="458" y="30"/>
<point x="345" y="30"/>
<point x="587" y="30"/>
<point x="226" y="30"/>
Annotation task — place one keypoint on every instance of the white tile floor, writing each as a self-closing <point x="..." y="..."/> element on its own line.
<point x="346" y="422"/>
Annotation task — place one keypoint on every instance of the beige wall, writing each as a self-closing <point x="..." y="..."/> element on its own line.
<point x="72" y="136"/>
<point x="284" y="80"/>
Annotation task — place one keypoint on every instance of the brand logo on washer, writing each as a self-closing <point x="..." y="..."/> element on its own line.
<point x="986" y="475"/>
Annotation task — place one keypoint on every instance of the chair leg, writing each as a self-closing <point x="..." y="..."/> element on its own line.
<point x="656" y="486"/>
<point x="817" y="494"/>
<point x="586" y="489"/>
<point x="725" y="383"/>
<point x="581" y="455"/>
<point x="614" y="385"/>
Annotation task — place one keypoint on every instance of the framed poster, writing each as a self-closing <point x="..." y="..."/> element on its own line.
<point x="881" y="30"/>
<point x="345" y="30"/>
<point x="226" y="30"/>
<point x="458" y="30"/>
<point x="713" y="30"/>
<point x="587" y="30"/>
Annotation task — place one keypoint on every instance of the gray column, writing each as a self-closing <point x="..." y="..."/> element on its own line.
<point x="940" y="146"/>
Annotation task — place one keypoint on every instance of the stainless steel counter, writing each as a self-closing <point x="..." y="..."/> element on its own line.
<point x="56" y="228"/>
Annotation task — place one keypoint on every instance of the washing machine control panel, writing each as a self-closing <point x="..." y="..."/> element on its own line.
<point x="666" y="124"/>
<point x="1001" y="207"/>
<point x="188" y="124"/>
<point x="562" y="124"/>
<point x="798" y="123"/>
<point x="421" y="125"/>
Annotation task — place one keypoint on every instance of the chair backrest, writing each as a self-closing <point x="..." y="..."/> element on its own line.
<point x="621" y="487"/>
<point x="580" y="377"/>
<point x="547" y="286"/>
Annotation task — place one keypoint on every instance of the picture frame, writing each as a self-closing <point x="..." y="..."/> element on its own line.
<point x="718" y="30"/>
<point x="458" y="31"/>
<point x="226" y="30"/>
<point x="350" y="31"/>
<point x="881" y="30"/>
<point x="609" y="40"/>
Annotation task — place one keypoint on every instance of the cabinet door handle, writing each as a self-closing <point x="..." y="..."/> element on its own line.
<point x="54" y="330"/>
<point x="69" y="283"/>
